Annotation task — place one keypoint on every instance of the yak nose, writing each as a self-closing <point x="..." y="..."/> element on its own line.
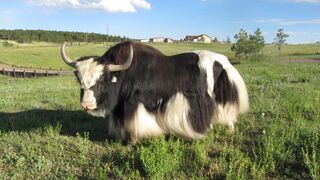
<point x="88" y="106"/>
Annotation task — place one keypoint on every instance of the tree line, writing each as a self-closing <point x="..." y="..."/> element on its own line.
<point x="26" y="36"/>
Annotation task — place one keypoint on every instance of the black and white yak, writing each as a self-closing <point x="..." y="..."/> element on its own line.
<point x="145" y="93"/>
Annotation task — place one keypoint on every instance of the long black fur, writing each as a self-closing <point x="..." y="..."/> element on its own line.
<point x="224" y="90"/>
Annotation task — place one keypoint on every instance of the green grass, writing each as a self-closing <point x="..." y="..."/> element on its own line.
<point x="44" y="134"/>
<point x="47" y="55"/>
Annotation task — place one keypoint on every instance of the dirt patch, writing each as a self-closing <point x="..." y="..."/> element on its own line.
<point x="305" y="60"/>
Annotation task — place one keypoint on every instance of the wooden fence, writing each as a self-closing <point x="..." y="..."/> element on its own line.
<point x="21" y="72"/>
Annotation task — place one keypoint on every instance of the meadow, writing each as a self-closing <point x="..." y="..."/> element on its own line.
<point x="44" y="134"/>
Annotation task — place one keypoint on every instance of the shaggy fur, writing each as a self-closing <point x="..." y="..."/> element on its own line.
<point x="182" y="94"/>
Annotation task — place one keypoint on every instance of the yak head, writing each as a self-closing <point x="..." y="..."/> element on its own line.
<point x="99" y="77"/>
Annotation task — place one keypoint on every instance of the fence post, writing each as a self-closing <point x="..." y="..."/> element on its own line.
<point x="34" y="73"/>
<point x="14" y="72"/>
<point x="46" y="73"/>
<point x="3" y="71"/>
<point x="59" y="72"/>
<point x="24" y="73"/>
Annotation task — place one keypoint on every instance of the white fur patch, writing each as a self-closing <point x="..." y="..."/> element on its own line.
<point x="176" y="120"/>
<point x="89" y="72"/>
<point x="226" y="114"/>
<point x="143" y="124"/>
<point x="88" y="97"/>
<point x="206" y="64"/>
<point x="206" y="61"/>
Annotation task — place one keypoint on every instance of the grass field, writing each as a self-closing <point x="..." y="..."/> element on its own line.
<point x="44" y="134"/>
<point x="47" y="55"/>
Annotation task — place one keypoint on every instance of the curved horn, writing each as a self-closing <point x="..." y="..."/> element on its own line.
<point x="65" y="58"/>
<point x="126" y="65"/>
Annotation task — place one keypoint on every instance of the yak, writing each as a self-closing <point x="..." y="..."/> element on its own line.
<point x="144" y="93"/>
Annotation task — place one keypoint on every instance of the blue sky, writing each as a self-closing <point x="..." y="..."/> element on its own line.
<point x="167" y="18"/>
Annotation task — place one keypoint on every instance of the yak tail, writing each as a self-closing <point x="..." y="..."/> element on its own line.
<point x="237" y="82"/>
<point x="230" y="94"/>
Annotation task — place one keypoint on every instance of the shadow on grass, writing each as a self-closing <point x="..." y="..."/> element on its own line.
<point x="72" y="122"/>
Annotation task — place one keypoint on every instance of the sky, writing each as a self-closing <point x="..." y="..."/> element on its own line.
<point x="144" y="19"/>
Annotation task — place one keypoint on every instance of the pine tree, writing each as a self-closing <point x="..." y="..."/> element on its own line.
<point x="280" y="39"/>
<point x="248" y="45"/>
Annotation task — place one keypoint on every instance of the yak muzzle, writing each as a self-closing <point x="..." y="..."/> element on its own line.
<point x="88" y="106"/>
<point x="88" y="101"/>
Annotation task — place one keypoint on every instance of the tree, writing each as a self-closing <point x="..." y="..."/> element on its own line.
<point x="248" y="45"/>
<point x="240" y="47"/>
<point x="256" y="42"/>
<point x="280" y="39"/>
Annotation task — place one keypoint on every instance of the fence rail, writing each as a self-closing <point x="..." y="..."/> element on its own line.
<point x="29" y="72"/>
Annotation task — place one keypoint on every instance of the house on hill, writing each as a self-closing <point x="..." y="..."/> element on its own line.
<point x="161" y="39"/>
<point x="157" y="39"/>
<point x="190" y="38"/>
<point x="168" y="40"/>
<point x="201" y="38"/>
<point x="144" y="40"/>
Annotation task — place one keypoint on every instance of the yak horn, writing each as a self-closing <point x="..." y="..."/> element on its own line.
<point x="126" y="65"/>
<point x="65" y="58"/>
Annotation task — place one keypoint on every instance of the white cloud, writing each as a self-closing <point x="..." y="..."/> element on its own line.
<point x="288" y="22"/>
<point x="125" y="6"/>
<point x="299" y="22"/>
<point x="267" y="20"/>
<point x="291" y="33"/>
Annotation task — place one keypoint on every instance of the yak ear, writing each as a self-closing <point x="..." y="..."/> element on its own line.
<point x="123" y="57"/>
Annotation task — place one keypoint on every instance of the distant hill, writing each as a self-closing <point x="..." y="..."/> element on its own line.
<point x="22" y="36"/>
